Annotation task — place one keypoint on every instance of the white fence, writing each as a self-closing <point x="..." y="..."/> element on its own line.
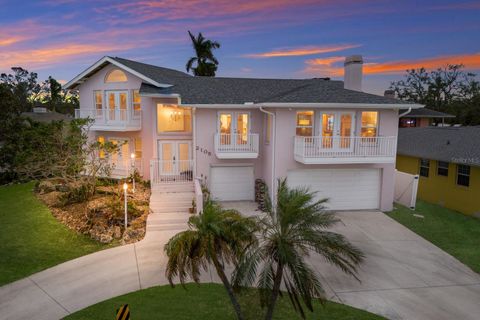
<point x="344" y="147"/>
<point x="406" y="186"/>
<point x="236" y="143"/>
<point x="171" y="171"/>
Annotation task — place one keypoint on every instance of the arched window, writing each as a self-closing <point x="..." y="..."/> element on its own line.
<point x="116" y="76"/>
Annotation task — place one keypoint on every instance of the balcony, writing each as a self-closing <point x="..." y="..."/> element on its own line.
<point x="333" y="150"/>
<point x="236" y="146"/>
<point x="112" y="119"/>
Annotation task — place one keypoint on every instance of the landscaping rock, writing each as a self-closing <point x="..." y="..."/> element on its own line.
<point x="117" y="232"/>
<point x="105" y="238"/>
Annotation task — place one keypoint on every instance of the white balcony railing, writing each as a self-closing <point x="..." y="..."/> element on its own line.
<point x="171" y="171"/>
<point x="321" y="150"/>
<point x="112" y="119"/>
<point x="236" y="146"/>
<point x="122" y="168"/>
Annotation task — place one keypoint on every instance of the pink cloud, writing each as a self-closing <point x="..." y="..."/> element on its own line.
<point x="302" y="51"/>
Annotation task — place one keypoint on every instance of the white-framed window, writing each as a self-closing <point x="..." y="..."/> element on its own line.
<point x="424" y="167"/>
<point x="171" y="118"/>
<point x="116" y="75"/>
<point x="463" y="175"/>
<point x="369" y="124"/>
<point x="268" y="128"/>
<point x="442" y="168"/>
<point x="138" y="148"/>
<point x="304" y="125"/>
<point x="136" y="100"/>
<point x="101" y="140"/>
<point x="98" y="99"/>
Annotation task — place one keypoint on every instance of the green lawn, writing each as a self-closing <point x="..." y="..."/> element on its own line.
<point x="206" y="301"/>
<point x="31" y="238"/>
<point x="456" y="233"/>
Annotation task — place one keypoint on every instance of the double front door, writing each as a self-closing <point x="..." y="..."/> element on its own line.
<point x="337" y="130"/>
<point x="234" y="128"/>
<point x="175" y="157"/>
<point x="117" y="103"/>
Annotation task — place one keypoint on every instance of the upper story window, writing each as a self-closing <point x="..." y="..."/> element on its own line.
<point x="98" y="97"/>
<point x="369" y="124"/>
<point x="424" y="167"/>
<point x="463" y="175"/>
<point x="442" y="168"/>
<point x="173" y="119"/>
<point x="268" y="128"/>
<point x="136" y="100"/>
<point x="304" y="123"/>
<point x="116" y="75"/>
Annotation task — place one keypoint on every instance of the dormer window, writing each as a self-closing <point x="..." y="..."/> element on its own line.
<point x="116" y="75"/>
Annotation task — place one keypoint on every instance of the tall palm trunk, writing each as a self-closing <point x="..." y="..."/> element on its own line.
<point x="275" y="291"/>
<point x="228" y="287"/>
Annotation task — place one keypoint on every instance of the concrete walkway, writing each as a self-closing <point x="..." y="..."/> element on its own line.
<point x="403" y="277"/>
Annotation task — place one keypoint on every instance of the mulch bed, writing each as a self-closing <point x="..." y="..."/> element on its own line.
<point x="102" y="216"/>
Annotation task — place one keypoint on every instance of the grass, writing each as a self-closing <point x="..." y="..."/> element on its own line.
<point x="32" y="239"/>
<point x="452" y="231"/>
<point x="207" y="301"/>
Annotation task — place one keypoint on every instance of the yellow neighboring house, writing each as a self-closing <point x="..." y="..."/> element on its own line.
<point x="448" y="162"/>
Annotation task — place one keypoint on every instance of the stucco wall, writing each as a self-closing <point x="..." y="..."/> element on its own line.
<point x="206" y="127"/>
<point x="284" y="150"/>
<point x="444" y="190"/>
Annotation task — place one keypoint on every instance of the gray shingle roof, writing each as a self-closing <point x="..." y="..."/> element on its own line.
<point x="159" y="74"/>
<point x="205" y="90"/>
<point x="450" y="144"/>
<point x="426" y="113"/>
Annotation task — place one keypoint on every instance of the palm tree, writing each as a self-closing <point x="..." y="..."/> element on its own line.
<point x="289" y="234"/>
<point x="215" y="237"/>
<point x="206" y="61"/>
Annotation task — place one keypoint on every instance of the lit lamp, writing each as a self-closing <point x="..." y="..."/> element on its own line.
<point x="125" y="188"/>
<point x="132" y="156"/>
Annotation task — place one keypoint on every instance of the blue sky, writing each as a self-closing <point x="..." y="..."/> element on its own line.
<point x="270" y="38"/>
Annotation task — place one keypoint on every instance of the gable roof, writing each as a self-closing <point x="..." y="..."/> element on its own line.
<point x="451" y="144"/>
<point x="218" y="90"/>
<point x="156" y="76"/>
<point x="161" y="82"/>
<point x="426" y="113"/>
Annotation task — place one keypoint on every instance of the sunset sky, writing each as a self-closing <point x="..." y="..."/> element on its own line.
<point x="259" y="38"/>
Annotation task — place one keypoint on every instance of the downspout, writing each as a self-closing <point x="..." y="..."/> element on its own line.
<point x="274" y="138"/>
<point x="405" y="113"/>
<point x="194" y="147"/>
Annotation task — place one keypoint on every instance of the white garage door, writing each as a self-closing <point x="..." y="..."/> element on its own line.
<point x="347" y="189"/>
<point x="232" y="183"/>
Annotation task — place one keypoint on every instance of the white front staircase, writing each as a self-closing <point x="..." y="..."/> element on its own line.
<point x="169" y="205"/>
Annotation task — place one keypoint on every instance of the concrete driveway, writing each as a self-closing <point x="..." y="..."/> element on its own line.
<point x="403" y="276"/>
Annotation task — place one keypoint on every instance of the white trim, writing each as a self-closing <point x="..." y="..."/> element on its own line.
<point x="160" y="95"/>
<point x="78" y="79"/>
<point x="308" y="105"/>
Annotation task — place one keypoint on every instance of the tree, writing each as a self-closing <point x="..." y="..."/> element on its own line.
<point x="447" y="89"/>
<point x="288" y="235"/>
<point x="24" y="86"/>
<point x="206" y="62"/>
<point x="215" y="237"/>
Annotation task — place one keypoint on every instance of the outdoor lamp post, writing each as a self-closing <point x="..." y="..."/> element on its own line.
<point x="132" y="156"/>
<point x="125" y="187"/>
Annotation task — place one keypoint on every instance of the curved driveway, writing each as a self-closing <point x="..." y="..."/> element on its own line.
<point x="403" y="277"/>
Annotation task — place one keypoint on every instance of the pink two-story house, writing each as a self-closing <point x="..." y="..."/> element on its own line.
<point x="324" y="134"/>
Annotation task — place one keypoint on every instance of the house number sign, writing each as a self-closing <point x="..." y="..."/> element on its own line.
<point x="204" y="151"/>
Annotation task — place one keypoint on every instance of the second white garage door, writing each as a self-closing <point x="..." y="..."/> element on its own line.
<point x="232" y="183"/>
<point x="347" y="189"/>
